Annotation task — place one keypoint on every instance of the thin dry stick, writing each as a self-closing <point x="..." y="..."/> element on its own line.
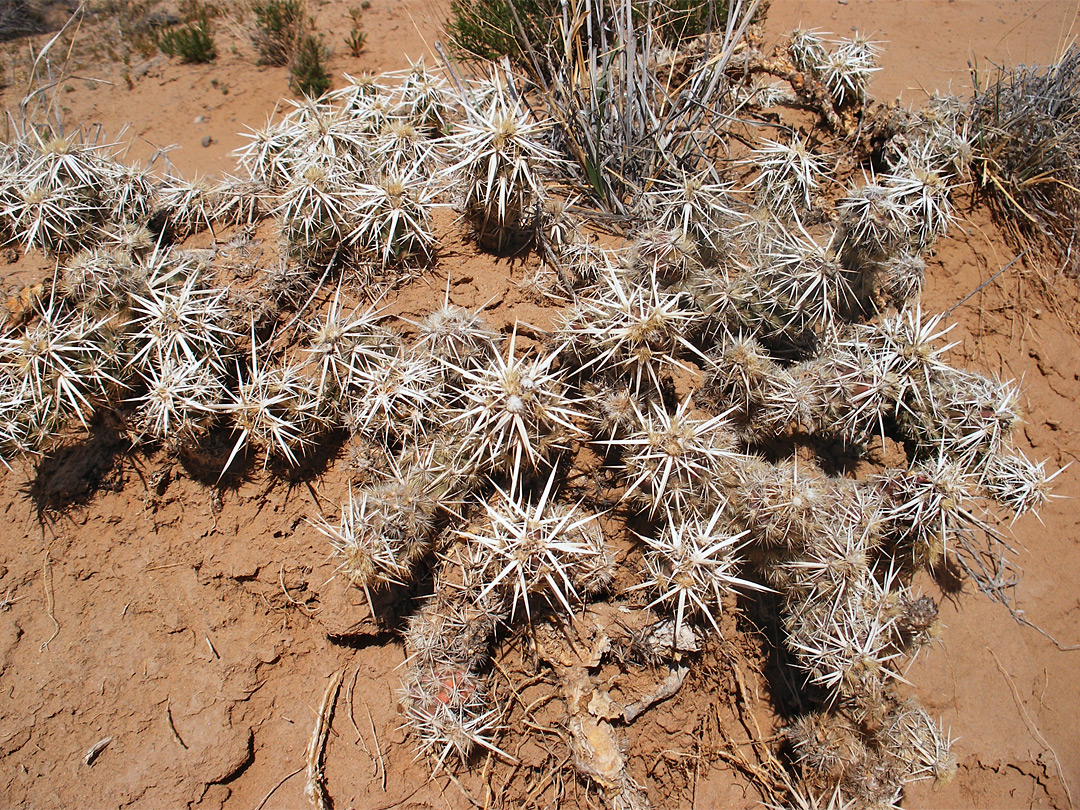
<point x="1019" y="615"/>
<point x="352" y="718"/>
<point x="41" y="54"/>
<point x="542" y="785"/>
<point x="982" y="286"/>
<point x="172" y="726"/>
<point x="378" y="748"/>
<point x="163" y="567"/>
<point x="664" y="690"/>
<point x="756" y="737"/>
<point x="510" y="685"/>
<point x="95" y="750"/>
<point x="765" y="781"/>
<point x="693" y="786"/>
<point x="274" y="789"/>
<point x="485" y="777"/>
<point x="315" y="789"/>
<point x="769" y="775"/>
<point x="46" y="581"/>
<point x="397" y="802"/>
<point x="1032" y="728"/>
<point x="63" y="69"/>
<point x="289" y="596"/>
<point x="464" y="792"/>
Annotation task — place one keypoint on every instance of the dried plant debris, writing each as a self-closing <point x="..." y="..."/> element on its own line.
<point x="1026" y="148"/>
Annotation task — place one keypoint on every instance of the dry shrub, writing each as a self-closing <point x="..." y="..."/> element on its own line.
<point x="1027" y="155"/>
<point x="19" y="18"/>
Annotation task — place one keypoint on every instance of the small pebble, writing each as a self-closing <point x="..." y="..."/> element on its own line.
<point x="207" y="140"/>
<point x="201" y="119"/>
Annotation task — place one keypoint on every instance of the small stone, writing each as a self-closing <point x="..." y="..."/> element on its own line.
<point x="207" y="140"/>
<point x="201" y="119"/>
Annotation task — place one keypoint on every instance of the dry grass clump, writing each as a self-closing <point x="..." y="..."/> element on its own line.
<point x="21" y="17"/>
<point x="1025" y="126"/>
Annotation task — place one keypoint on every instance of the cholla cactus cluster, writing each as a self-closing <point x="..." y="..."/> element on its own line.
<point x="740" y="323"/>
<point x="500" y="148"/>
<point x="135" y="325"/>
<point x="805" y="327"/>
<point x="845" y="69"/>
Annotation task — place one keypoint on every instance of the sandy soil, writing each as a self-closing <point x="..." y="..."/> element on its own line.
<point x="197" y="626"/>
<point x="934" y="44"/>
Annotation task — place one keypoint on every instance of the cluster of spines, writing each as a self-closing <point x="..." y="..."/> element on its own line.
<point x="387" y="528"/>
<point x="358" y="172"/>
<point x="632" y="327"/>
<point x="498" y="159"/>
<point x="845" y="69"/>
<point x="350" y="175"/>
<point x="70" y="193"/>
<point x="868" y="763"/>
<point x="144" y="327"/>
<point x="693" y="568"/>
<point x="131" y="316"/>
<point x="452" y="634"/>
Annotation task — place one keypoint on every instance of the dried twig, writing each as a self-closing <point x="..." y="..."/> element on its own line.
<point x="352" y="716"/>
<point x="1019" y="615"/>
<point x="399" y="801"/>
<point x="464" y="792"/>
<point x="172" y="726"/>
<point x="46" y="581"/>
<point x="542" y="785"/>
<point x="164" y="566"/>
<point x="756" y="737"/>
<point x="378" y="748"/>
<point x="274" y="789"/>
<point x="315" y="789"/>
<point x="765" y="781"/>
<point x="1032" y="728"/>
<point x="985" y="283"/>
<point x="665" y="689"/>
<point x="9" y="600"/>
<point x="281" y="580"/>
<point x="95" y="750"/>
